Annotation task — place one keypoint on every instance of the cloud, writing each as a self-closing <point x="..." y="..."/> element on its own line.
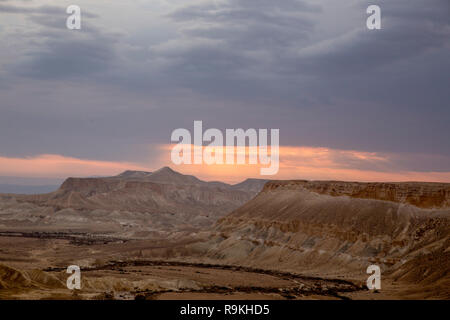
<point x="316" y="163"/>
<point x="309" y="68"/>
<point x="248" y="25"/>
<point x="407" y="31"/>
<point x="279" y="39"/>
<point x="231" y="41"/>
<point x="57" y="166"/>
<point x="54" y="52"/>
<point x="312" y="163"/>
<point x="67" y="57"/>
<point x="6" y="8"/>
<point x="47" y="10"/>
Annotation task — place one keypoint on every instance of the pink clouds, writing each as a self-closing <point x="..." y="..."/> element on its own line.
<point x="312" y="163"/>
<point x="316" y="163"/>
<point x="57" y="166"/>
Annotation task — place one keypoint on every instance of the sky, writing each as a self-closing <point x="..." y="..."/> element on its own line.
<point x="350" y="103"/>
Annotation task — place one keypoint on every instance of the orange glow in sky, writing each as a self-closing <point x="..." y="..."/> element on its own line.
<point x="311" y="163"/>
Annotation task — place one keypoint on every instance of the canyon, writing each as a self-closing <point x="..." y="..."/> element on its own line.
<point x="164" y="235"/>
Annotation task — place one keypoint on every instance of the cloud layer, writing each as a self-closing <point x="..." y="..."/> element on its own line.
<point x="116" y="89"/>
<point x="311" y="163"/>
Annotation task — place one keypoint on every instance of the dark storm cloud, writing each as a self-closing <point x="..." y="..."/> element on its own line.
<point x="249" y="26"/>
<point x="62" y="53"/>
<point x="383" y="89"/>
<point x="259" y="63"/>
<point x="42" y="10"/>
<point x="231" y="49"/>
<point x="407" y="31"/>
<point x="271" y="25"/>
<point x="279" y="35"/>
<point x="67" y="58"/>
<point x="6" y="8"/>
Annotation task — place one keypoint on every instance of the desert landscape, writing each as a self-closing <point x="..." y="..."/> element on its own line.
<point x="165" y="235"/>
<point x="225" y="150"/>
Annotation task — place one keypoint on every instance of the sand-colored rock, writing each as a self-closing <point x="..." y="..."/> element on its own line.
<point x="291" y="226"/>
<point x="420" y="194"/>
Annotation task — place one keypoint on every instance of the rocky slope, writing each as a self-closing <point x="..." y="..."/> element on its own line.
<point x="161" y="191"/>
<point x="252" y="185"/>
<point x="338" y="229"/>
<point x="132" y="203"/>
<point x="420" y="194"/>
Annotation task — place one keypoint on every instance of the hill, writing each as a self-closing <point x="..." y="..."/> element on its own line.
<point x="133" y="203"/>
<point x="337" y="229"/>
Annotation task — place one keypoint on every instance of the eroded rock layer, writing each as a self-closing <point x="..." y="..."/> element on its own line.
<point x="299" y="226"/>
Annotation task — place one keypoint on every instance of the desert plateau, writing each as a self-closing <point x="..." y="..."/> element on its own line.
<point x="165" y="235"/>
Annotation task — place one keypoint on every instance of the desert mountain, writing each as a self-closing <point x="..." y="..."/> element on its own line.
<point x="141" y="202"/>
<point x="254" y="185"/>
<point x="420" y="194"/>
<point x="130" y="174"/>
<point x="164" y="175"/>
<point x="164" y="190"/>
<point x="339" y="228"/>
<point x="324" y="229"/>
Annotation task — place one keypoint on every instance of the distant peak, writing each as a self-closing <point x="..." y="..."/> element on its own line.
<point x="134" y="173"/>
<point x="255" y="180"/>
<point x="165" y="169"/>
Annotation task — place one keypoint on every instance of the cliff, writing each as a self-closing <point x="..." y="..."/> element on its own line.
<point x="338" y="229"/>
<point x="420" y="194"/>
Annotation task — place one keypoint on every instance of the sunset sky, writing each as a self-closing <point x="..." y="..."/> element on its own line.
<point x="350" y="103"/>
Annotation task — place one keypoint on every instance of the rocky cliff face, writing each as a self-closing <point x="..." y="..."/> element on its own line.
<point x="338" y="229"/>
<point x="138" y="204"/>
<point x="161" y="191"/>
<point x="143" y="196"/>
<point x="422" y="195"/>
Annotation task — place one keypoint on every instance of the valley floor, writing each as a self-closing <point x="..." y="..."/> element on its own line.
<point x="152" y="270"/>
